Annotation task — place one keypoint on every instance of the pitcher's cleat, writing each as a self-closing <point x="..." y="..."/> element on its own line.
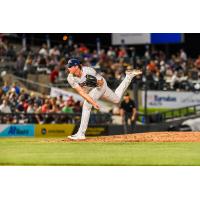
<point x="77" y="137"/>
<point x="133" y="73"/>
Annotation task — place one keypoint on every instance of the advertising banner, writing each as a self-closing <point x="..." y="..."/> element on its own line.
<point x="55" y="92"/>
<point x="166" y="38"/>
<point x="130" y="38"/>
<point x="170" y="99"/>
<point x="18" y="130"/>
<point x="146" y="38"/>
<point x="53" y="130"/>
<point x="94" y="130"/>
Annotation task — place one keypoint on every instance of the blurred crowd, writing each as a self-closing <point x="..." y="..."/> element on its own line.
<point x="162" y="72"/>
<point x="20" y="102"/>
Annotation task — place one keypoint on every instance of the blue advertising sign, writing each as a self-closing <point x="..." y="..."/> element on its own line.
<point x="25" y="130"/>
<point x="166" y="38"/>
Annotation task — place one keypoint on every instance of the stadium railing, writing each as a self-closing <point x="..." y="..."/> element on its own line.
<point x="170" y="114"/>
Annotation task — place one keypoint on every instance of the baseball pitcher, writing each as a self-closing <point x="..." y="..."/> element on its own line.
<point x="92" y="86"/>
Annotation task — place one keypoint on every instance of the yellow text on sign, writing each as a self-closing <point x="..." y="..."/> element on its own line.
<point x="53" y="130"/>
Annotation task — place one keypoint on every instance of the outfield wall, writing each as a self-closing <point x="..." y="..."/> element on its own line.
<point x="48" y="130"/>
<point x="64" y="130"/>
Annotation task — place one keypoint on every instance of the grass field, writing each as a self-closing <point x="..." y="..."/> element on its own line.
<point x="36" y="151"/>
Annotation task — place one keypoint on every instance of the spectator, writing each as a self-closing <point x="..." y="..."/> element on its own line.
<point x="25" y="105"/>
<point x="54" y="52"/>
<point x="152" y="67"/>
<point x="54" y="75"/>
<point x="28" y="64"/>
<point x="111" y="53"/>
<point x="5" y="87"/>
<point x="177" y="80"/>
<point x="15" y="88"/>
<point x="19" y="63"/>
<point x="11" y="54"/>
<point x="183" y="55"/>
<point x="43" y="51"/>
<point x="54" y="106"/>
<point x="197" y="63"/>
<point x="20" y="107"/>
<point x="4" y="107"/>
<point x="53" y="60"/>
<point x="42" y="61"/>
<point x="83" y="49"/>
<point x="70" y="101"/>
<point x="122" y="53"/>
<point x="46" y="106"/>
<point x="67" y="108"/>
<point x="31" y="108"/>
<point x="60" y="101"/>
<point x="128" y="112"/>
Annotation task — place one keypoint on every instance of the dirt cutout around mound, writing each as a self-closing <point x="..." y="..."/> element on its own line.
<point x="146" y="137"/>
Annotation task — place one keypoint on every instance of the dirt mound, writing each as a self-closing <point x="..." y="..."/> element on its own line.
<point x="148" y="137"/>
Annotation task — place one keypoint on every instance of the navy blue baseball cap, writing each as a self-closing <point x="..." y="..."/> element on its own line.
<point x="73" y="62"/>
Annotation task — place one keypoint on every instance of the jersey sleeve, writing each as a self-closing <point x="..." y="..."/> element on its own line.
<point x="72" y="81"/>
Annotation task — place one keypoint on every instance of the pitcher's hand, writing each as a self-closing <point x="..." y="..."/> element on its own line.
<point x="96" y="105"/>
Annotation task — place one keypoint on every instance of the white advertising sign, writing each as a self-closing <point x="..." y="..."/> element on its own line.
<point x="130" y="38"/>
<point x="55" y="92"/>
<point x="170" y="99"/>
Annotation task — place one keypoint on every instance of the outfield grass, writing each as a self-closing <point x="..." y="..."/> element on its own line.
<point x="31" y="151"/>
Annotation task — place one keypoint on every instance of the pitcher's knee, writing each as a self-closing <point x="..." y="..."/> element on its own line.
<point x="116" y="100"/>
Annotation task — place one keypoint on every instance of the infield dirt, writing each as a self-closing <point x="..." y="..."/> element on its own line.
<point x="147" y="137"/>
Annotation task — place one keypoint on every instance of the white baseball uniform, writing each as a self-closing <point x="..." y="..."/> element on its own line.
<point x="96" y="93"/>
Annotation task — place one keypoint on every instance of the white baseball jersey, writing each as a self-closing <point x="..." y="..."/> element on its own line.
<point x="74" y="81"/>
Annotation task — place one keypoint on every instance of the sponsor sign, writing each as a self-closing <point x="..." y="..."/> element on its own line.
<point x="53" y="130"/>
<point x="146" y="38"/>
<point x="130" y="38"/>
<point x="170" y="99"/>
<point x="166" y="38"/>
<point x="96" y="130"/>
<point x="55" y="92"/>
<point x="18" y="130"/>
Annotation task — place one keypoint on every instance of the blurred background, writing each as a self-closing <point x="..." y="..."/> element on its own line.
<point x="34" y="89"/>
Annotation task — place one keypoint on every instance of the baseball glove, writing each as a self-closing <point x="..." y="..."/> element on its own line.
<point x="91" y="81"/>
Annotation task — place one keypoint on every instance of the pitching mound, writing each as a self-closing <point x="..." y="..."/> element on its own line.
<point x="148" y="137"/>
